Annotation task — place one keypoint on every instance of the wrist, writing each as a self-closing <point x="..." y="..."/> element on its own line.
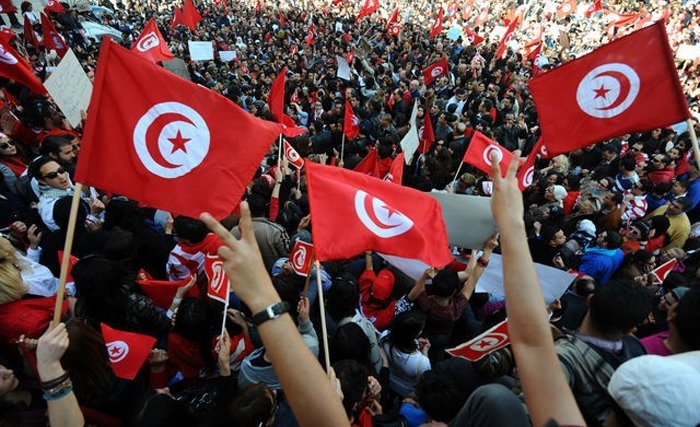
<point x="50" y="371"/>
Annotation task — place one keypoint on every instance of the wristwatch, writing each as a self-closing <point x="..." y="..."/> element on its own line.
<point x="272" y="312"/>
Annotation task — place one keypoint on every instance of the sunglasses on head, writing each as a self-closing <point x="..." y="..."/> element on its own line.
<point x="52" y="175"/>
<point x="6" y="145"/>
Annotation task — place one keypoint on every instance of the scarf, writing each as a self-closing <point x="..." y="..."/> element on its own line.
<point x="15" y="164"/>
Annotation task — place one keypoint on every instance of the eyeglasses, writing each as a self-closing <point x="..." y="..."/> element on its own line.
<point x="6" y="145"/>
<point x="56" y="173"/>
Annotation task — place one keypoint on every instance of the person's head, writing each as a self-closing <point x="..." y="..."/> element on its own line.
<point x="7" y="146"/>
<point x="160" y="410"/>
<point x="102" y="286"/>
<point x="552" y="235"/>
<point x="445" y="284"/>
<point x="618" y="307"/>
<point x="679" y="206"/>
<point x="584" y="286"/>
<point x="627" y="164"/>
<point x="48" y="172"/>
<point x="192" y="319"/>
<point x="342" y="298"/>
<point x="642" y="187"/>
<point x="189" y="229"/>
<point x="254" y="406"/>
<point x="12" y="287"/>
<point x="608" y="153"/>
<point x="687" y="319"/>
<point x="639" y="230"/>
<point x="672" y="297"/>
<point x="660" y="161"/>
<point x="383" y="286"/>
<point x="59" y="148"/>
<point x="659" y="225"/>
<point x="679" y="187"/>
<point x="8" y="381"/>
<point x="349" y="342"/>
<point x="353" y="382"/>
<point x="644" y="259"/>
<point x="605" y="183"/>
<point x="405" y="329"/>
<point x="609" y="239"/>
<point x="439" y="396"/>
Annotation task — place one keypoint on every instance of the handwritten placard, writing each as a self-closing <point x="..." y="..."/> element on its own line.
<point x="201" y="51"/>
<point x="70" y="88"/>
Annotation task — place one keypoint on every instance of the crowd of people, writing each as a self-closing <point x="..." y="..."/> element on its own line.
<point x="621" y="347"/>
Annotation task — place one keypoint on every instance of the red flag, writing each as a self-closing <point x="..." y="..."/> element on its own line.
<point x="593" y="8"/>
<point x="292" y="156"/>
<point x="54" y="6"/>
<point x="369" y="165"/>
<point x="474" y="38"/>
<point x="276" y="102"/>
<point x="127" y="350"/>
<point x="395" y="30"/>
<point x="660" y="273"/>
<point x="6" y="6"/>
<point x="437" y="25"/>
<point x="426" y="134"/>
<point x="219" y="285"/>
<point x="435" y="70"/>
<point x="395" y="174"/>
<point x="482" y="17"/>
<point x="177" y="18"/>
<point x="566" y="8"/>
<point x="486" y="343"/>
<point x="368" y="8"/>
<point x="479" y="153"/>
<point x="506" y="38"/>
<point x="351" y="125"/>
<point x="283" y="22"/>
<point x="311" y="35"/>
<point x="394" y="18"/>
<point x="29" y="34"/>
<point x="14" y="67"/>
<point x="349" y="57"/>
<point x="622" y="19"/>
<point x="72" y="260"/>
<point x="378" y="216"/>
<point x="52" y="39"/>
<point x="190" y="15"/>
<point x="171" y="141"/>
<point x="7" y="35"/>
<point x="612" y="91"/>
<point x="258" y="7"/>
<point x="301" y="257"/>
<point x="162" y="292"/>
<point x="526" y="174"/>
<point x="151" y="44"/>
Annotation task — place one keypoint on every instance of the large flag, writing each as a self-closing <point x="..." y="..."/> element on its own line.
<point x="506" y="38"/>
<point x="437" y="25"/>
<point x="14" y="67"/>
<point x="629" y="85"/>
<point x="6" y="6"/>
<point x="351" y="124"/>
<point x="276" y="102"/>
<point x="435" y="70"/>
<point x="29" y="34"/>
<point x="484" y="344"/>
<point x="52" y="39"/>
<point x="368" y="8"/>
<point x="479" y="153"/>
<point x="171" y="144"/>
<point x="218" y="286"/>
<point x="127" y="351"/>
<point x="190" y="15"/>
<point x="375" y="215"/>
<point x="151" y="44"/>
<point x="566" y="8"/>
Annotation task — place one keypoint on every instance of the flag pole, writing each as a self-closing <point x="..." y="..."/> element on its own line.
<point x="223" y="323"/>
<point x="322" y="309"/>
<point x="342" y="150"/>
<point x="694" y="141"/>
<point x="67" y="247"/>
<point x="279" y="155"/>
<point x="305" y="291"/>
<point x="457" y="174"/>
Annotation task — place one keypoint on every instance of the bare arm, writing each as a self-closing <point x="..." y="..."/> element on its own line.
<point x="480" y="265"/>
<point x="547" y="396"/>
<point x="309" y="391"/>
<point x="419" y="285"/>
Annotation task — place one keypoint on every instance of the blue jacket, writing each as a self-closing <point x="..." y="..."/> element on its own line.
<point x="601" y="263"/>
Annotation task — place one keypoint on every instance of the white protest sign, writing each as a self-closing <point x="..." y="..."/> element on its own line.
<point x="201" y="51"/>
<point x="70" y="87"/>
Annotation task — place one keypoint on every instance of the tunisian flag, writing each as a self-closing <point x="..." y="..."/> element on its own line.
<point x="127" y="351"/>
<point x="151" y="44"/>
<point x="435" y="70"/>
<point x="351" y="124"/>
<point x="629" y="85"/>
<point x="292" y="156"/>
<point x="486" y="343"/>
<point x="369" y="165"/>
<point x="218" y="282"/>
<point x="368" y="8"/>
<point x="437" y="25"/>
<point x="479" y="154"/>
<point x="506" y="38"/>
<point x="171" y="144"/>
<point x="52" y="39"/>
<point x="353" y="213"/>
<point x="301" y="257"/>
<point x="426" y="136"/>
<point x="660" y="273"/>
<point x="54" y="6"/>
<point x="190" y="15"/>
<point x="566" y="8"/>
<point x="395" y="174"/>
<point x="29" y="34"/>
<point x="14" y="67"/>
<point x="596" y="6"/>
<point x="276" y="102"/>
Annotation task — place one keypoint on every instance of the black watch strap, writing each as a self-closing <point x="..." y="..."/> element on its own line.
<point x="272" y="312"/>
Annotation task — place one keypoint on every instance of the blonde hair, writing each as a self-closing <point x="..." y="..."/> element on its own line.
<point x="563" y="164"/>
<point x="12" y="287"/>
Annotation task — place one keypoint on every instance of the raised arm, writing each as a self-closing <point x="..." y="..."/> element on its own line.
<point x="479" y="265"/>
<point x="548" y="396"/>
<point x="309" y="391"/>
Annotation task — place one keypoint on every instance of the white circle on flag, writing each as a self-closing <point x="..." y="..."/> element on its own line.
<point x="171" y="139"/>
<point x="528" y="176"/>
<point x="218" y="278"/>
<point x="487" y="154"/>
<point x="608" y="90"/>
<point x="6" y="57"/>
<point x="291" y="154"/>
<point x="436" y="71"/>
<point x="147" y="42"/>
<point x="380" y="218"/>
<point x="488" y="342"/>
<point x="117" y="350"/>
<point x="299" y="258"/>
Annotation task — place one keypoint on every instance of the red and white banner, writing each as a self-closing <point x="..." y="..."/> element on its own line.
<point x="292" y="156"/>
<point x="435" y="70"/>
<point x="151" y="44"/>
<point x="660" y="273"/>
<point x="479" y="154"/>
<point x="486" y="343"/>
<point x="127" y="351"/>
<point x="218" y="287"/>
<point x="301" y="257"/>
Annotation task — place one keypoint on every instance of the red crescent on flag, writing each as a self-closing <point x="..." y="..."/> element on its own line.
<point x="625" y="86"/>
<point x="157" y="127"/>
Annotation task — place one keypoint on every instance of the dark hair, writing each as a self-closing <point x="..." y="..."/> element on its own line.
<point x="405" y="328"/>
<point x="613" y="239"/>
<point x="52" y="145"/>
<point x="688" y="318"/>
<point x="349" y="342"/>
<point x="252" y="406"/>
<point x="439" y="396"/>
<point x="645" y="185"/>
<point x="585" y="286"/>
<point x="289" y="287"/>
<point x="87" y="361"/>
<point x="619" y="306"/>
<point x="353" y="382"/>
<point x="258" y="205"/>
<point x="548" y="232"/>
<point x="36" y="164"/>
<point x="685" y="203"/>
<point x="445" y="283"/>
<point x="120" y="246"/>
<point x="343" y="298"/>
<point x="659" y="224"/>
<point x="160" y="410"/>
<point x="628" y="163"/>
<point x="661" y="188"/>
<point x="102" y="290"/>
<point x="191" y="229"/>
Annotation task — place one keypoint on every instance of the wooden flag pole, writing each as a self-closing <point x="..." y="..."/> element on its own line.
<point x="305" y="291"/>
<point x="342" y="150"/>
<point x="322" y="309"/>
<point x="67" y="247"/>
<point x="694" y="141"/>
